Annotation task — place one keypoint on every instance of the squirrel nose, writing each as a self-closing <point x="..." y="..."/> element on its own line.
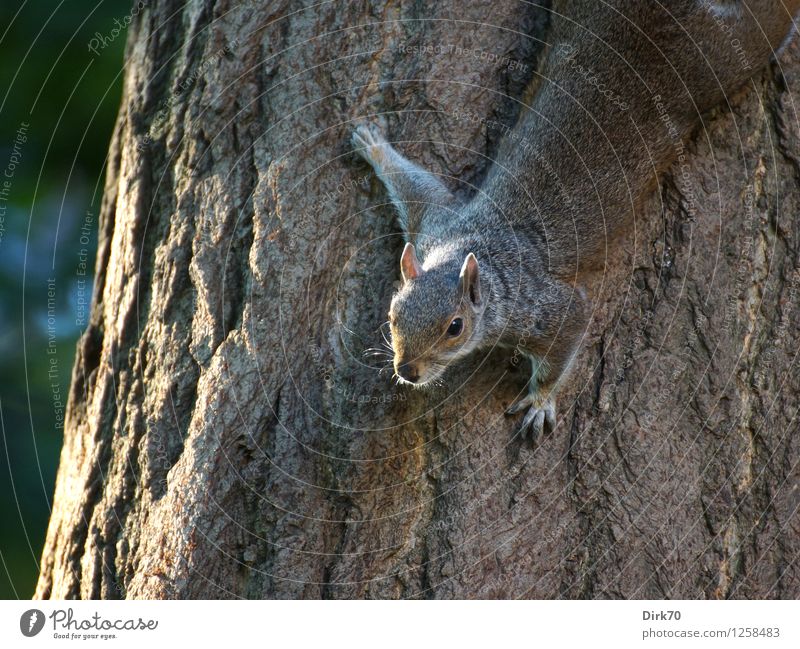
<point x="409" y="372"/>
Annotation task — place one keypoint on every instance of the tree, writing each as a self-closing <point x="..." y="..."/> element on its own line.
<point x="226" y="435"/>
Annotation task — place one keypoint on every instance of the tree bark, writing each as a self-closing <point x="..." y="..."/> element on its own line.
<point x="227" y="437"/>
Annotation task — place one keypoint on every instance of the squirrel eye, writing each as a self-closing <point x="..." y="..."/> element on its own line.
<point x="455" y="328"/>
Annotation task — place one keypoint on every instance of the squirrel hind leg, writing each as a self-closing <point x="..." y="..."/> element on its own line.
<point x="413" y="190"/>
<point x="369" y="143"/>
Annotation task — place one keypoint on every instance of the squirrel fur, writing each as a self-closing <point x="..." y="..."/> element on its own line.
<point x="622" y="83"/>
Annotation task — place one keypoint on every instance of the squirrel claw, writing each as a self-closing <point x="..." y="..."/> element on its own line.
<point x="540" y="418"/>
<point x="518" y="407"/>
<point x="368" y="141"/>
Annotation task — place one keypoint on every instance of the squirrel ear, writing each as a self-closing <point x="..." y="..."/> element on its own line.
<point x="410" y="268"/>
<point x="470" y="279"/>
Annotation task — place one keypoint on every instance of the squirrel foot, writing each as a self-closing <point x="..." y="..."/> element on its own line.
<point x="541" y="415"/>
<point x="369" y="143"/>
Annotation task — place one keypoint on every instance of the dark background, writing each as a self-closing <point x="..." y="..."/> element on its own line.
<point x="68" y="96"/>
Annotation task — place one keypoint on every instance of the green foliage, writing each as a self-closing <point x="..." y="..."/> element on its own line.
<point x="58" y="103"/>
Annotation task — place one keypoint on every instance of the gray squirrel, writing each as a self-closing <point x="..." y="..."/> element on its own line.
<point x="622" y="83"/>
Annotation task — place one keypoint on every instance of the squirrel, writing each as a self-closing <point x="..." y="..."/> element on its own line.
<point x="621" y="86"/>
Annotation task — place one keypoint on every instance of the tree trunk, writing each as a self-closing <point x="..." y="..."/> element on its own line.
<point x="226" y="435"/>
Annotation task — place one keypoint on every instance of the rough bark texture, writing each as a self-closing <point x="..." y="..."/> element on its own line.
<point x="226" y="436"/>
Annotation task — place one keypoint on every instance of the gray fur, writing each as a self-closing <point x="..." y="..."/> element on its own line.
<point x="622" y="85"/>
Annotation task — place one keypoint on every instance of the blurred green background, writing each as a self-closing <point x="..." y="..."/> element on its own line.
<point x="58" y="103"/>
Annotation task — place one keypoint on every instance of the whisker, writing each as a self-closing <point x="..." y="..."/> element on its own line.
<point x="377" y="352"/>
<point x="384" y="360"/>
<point x="383" y="334"/>
<point x="341" y="323"/>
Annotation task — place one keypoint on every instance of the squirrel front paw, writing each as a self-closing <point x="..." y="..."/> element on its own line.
<point x="541" y="415"/>
<point x="369" y="142"/>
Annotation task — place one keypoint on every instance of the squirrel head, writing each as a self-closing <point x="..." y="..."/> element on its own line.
<point x="435" y="316"/>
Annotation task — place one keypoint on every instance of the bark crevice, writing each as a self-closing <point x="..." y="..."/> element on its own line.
<point x="225" y="436"/>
